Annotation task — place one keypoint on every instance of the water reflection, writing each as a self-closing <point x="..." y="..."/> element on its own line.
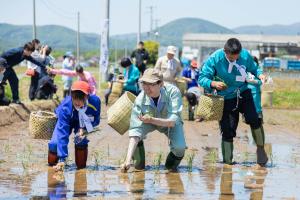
<point x="80" y="183"/>
<point x="175" y="184"/>
<point x="57" y="188"/>
<point x="255" y="182"/>
<point x="137" y="185"/>
<point x="226" y="183"/>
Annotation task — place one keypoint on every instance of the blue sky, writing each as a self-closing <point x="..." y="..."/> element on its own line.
<point x="124" y="13"/>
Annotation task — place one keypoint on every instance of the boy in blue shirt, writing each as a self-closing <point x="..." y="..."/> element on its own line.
<point x="231" y="65"/>
<point x="78" y="113"/>
<point x="191" y="75"/>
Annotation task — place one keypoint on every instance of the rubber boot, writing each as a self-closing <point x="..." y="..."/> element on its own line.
<point x="139" y="156"/>
<point x="191" y="115"/>
<point x="227" y="152"/>
<point x="172" y="162"/>
<point x="259" y="138"/>
<point x="81" y="154"/>
<point x="52" y="158"/>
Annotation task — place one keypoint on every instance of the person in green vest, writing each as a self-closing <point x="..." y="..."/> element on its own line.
<point x="157" y="107"/>
<point x="230" y="65"/>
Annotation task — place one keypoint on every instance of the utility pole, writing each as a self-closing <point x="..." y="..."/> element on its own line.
<point x="116" y="53"/>
<point x="34" y="24"/>
<point x="156" y="21"/>
<point x="151" y="20"/>
<point x="140" y="22"/>
<point x="78" y="38"/>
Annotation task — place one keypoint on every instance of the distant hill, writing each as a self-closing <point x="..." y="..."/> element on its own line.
<point x="64" y="38"/>
<point x="276" y="29"/>
<point x="58" y="37"/>
<point x="172" y="32"/>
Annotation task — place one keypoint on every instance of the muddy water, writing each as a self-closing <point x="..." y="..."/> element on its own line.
<point x="24" y="173"/>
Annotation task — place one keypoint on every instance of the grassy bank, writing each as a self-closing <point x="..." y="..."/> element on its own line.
<point x="286" y="91"/>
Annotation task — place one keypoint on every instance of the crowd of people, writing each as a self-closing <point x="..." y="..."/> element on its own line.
<point x="230" y="72"/>
<point x="38" y="57"/>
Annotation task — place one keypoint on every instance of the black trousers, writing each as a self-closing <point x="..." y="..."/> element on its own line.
<point x="141" y="68"/>
<point x="34" y="85"/>
<point x="107" y="93"/>
<point x="13" y="80"/>
<point x="230" y="119"/>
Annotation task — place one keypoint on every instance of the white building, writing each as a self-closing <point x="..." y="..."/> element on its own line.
<point x="259" y="45"/>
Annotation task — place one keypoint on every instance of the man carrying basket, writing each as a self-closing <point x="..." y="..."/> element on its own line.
<point x="230" y="65"/>
<point x="78" y="113"/>
<point x="157" y="107"/>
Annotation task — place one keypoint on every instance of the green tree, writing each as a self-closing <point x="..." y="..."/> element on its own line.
<point x="152" y="48"/>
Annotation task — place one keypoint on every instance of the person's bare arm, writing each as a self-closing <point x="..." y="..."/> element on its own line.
<point x="157" y="121"/>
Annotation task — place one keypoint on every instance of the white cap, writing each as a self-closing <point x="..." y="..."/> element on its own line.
<point x="171" y="50"/>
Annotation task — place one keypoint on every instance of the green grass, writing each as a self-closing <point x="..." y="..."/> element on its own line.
<point x="286" y="91"/>
<point x="286" y="99"/>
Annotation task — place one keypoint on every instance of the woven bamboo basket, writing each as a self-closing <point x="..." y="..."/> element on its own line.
<point x="41" y="124"/>
<point x="210" y="107"/>
<point x="181" y="84"/>
<point x="118" y="115"/>
<point x="117" y="88"/>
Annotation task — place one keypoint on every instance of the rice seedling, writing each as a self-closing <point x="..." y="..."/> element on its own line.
<point x="246" y="156"/>
<point x="272" y="158"/>
<point x="68" y="161"/>
<point x="121" y="160"/>
<point x="190" y="159"/>
<point x="6" y="148"/>
<point x="98" y="157"/>
<point x="157" y="160"/>
<point x="213" y="157"/>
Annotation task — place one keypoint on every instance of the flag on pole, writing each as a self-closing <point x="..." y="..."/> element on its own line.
<point x="104" y="50"/>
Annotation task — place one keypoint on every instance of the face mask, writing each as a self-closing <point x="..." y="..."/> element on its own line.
<point x="83" y="107"/>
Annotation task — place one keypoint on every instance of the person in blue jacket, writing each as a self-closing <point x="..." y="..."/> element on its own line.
<point x="131" y="76"/>
<point x="191" y="75"/>
<point x="230" y="66"/>
<point x="14" y="57"/>
<point x="78" y="113"/>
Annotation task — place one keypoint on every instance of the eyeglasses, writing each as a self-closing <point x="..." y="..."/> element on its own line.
<point x="149" y="84"/>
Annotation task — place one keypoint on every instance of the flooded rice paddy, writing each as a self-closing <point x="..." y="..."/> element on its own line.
<point x="24" y="173"/>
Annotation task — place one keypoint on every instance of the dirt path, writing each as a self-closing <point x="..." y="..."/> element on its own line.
<point x="24" y="172"/>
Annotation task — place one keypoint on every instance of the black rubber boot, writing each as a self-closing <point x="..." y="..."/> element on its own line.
<point x="191" y="115"/>
<point x="139" y="156"/>
<point x="227" y="152"/>
<point x="172" y="162"/>
<point x="259" y="138"/>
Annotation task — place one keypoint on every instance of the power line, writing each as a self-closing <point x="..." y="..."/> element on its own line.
<point x="58" y="13"/>
<point x="61" y="10"/>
